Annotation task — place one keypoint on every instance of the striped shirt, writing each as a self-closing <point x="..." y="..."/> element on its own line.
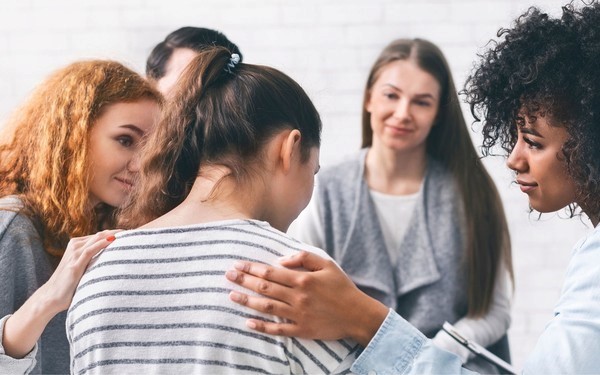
<point x="156" y="301"/>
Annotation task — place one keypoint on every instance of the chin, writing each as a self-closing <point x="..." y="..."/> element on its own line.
<point x="547" y="208"/>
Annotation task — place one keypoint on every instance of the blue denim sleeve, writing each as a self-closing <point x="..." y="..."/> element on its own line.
<point x="399" y="348"/>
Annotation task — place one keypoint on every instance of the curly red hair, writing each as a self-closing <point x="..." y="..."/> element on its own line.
<point x="45" y="147"/>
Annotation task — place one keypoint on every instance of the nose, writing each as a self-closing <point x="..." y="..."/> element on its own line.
<point x="402" y="110"/>
<point x="134" y="164"/>
<point x="516" y="160"/>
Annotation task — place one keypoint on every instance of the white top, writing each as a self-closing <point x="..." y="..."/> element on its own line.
<point x="485" y="330"/>
<point x="156" y="301"/>
<point x="394" y="213"/>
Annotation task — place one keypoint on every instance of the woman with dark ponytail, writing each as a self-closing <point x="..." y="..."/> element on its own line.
<point x="230" y="166"/>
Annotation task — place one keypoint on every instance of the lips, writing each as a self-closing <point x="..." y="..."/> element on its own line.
<point x="527" y="186"/>
<point x="127" y="183"/>
<point x="399" y="130"/>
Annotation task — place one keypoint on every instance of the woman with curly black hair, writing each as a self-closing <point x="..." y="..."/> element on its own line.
<point x="537" y="94"/>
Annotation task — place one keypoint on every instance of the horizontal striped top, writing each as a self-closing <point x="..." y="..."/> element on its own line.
<point x="156" y="301"/>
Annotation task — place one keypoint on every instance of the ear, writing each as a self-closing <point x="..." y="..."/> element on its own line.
<point x="367" y="103"/>
<point x="290" y="149"/>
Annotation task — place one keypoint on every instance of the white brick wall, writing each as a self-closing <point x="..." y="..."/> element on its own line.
<point x="328" y="47"/>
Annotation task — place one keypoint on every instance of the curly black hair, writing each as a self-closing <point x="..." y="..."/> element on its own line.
<point x="549" y="67"/>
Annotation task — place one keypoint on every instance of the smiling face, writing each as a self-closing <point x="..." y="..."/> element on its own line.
<point x="539" y="164"/>
<point x="403" y="104"/>
<point x="115" y="140"/>
<point x="179" y="60"/>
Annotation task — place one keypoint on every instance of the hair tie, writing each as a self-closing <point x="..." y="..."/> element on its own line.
<point x="233" y="61"/>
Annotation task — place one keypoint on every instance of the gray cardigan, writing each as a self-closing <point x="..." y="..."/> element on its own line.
<point x="24" y="267"/>
<point x="428" y="285"/>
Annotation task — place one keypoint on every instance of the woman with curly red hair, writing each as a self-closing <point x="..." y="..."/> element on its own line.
<point x="68" y="161"/>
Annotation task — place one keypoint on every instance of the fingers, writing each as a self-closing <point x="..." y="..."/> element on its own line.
<point x="85" y="248"/>
<point x="278" y="329"/>
<point x="265" y="305"/>
<point x="277" y="275"/>
<point x="260" y="286"/>
<point x="108" y="235"/>
<point x="306" y="260"/>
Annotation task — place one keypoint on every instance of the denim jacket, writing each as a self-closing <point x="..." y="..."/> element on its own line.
<point x="570" y="344"/>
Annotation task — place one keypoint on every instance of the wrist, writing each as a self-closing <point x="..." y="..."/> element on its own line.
<point x="43" y="304"/>
<point x="370" y="315"/>
<point x="25" y="326"/>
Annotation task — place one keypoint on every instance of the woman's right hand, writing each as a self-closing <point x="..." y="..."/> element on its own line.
<point x="59" y="289"/>
<point x="322" y="303"/>
<point x="24" y="328"/>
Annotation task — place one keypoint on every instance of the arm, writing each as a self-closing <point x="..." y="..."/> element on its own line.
<point x="325" y="304"/>
<point x="487" y="329"/>
<point x="322" y="304"/>
<point x="24" y="327"/>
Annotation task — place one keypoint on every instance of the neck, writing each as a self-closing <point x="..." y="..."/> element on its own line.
<point x="392" y="172"/>
<point x="214" y="197"/>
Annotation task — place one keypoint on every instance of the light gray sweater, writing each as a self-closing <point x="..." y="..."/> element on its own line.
<point x="24" y="267"/>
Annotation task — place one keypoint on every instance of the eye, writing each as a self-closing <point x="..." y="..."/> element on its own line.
<point x="390" y="95"/>
<point x="423" y="103"/>
<point x="531" y="144"/>
<point x="318" y="169"/>
<point x="125" y="140"/>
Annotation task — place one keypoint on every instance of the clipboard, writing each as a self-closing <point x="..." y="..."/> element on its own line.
<point x="479" y="350"/>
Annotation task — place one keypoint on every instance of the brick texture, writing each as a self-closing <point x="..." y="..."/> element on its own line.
<point x="328" y="48"/>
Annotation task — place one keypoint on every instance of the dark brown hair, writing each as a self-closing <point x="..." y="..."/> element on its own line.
<point x="449" y="142"/>
<point x="194" y="38"/>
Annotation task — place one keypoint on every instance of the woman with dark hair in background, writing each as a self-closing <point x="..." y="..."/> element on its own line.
<point x="413" y="218"/>
<point x="67" y="161"/>
<point x="169" y="58"/>
<point x="537" y="93"/>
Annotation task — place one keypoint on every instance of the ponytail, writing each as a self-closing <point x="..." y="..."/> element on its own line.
<point x="222" y="112"/>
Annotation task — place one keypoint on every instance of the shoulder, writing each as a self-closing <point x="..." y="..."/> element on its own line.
<point x="317" y="251"/>
<point x="440" y="185"/>
<point x="343" y="171"/>
<point x="438" y="173"/>
<point x="15" y="226"/>
<point x="12" y="220"/>
<point x="580" y="287"/>
<point x="586" y="255"/>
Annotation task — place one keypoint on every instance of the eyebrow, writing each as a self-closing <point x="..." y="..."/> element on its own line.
<point x="530" y="131"/>
<point x="426" y="95"/>
<point x="134" y="128"/>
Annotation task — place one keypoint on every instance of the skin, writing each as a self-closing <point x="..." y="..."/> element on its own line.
<point x="179" y="60"/>
<point x="324" y="304"/>
<point x="403" y="104"/>
<point x="321" y="304"/>
<point x="114" y="141"/>
<point x="277" y="196"/>
<point x="538" y="163"/>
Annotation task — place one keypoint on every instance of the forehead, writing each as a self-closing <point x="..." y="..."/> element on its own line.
<point x="141" y="113"/>
<point x="180" y="58"/>
<point x="407" y="75"/>
<point x="542" y="126"/>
